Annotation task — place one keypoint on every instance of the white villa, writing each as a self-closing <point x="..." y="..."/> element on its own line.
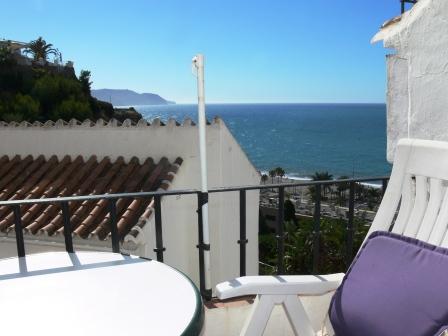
<point x="62" y="159"/>
<point x="17" y="48"/>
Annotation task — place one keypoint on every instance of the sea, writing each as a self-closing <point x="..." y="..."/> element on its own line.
<point x="342" y="139"/>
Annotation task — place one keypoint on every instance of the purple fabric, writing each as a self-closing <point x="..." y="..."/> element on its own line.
<point x="397" y="286"/>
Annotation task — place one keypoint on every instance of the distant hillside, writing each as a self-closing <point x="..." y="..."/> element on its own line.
<point x="128" y="97"/>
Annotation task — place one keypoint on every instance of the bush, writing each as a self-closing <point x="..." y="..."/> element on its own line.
<point x="72" y="108"/>
<point x="21" y="107"/>
<point x="51" y="90"/>
<point x="299" y="246"/>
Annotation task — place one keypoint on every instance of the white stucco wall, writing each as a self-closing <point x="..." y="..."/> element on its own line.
<point x="417" y="97"/>
<point x="227" y="166"/>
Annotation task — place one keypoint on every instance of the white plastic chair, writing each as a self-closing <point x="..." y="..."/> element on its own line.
<point x="417" y="191"/>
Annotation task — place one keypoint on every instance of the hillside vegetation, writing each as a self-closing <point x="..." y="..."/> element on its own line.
<point x="41" y="91"/>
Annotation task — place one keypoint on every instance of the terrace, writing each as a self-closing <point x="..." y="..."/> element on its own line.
<point x="226" y="317"/>
<point x="218" y="314"/>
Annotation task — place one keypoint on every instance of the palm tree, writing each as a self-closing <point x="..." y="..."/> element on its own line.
<point x="279" y="171"/>
<point x="321" y="176"/>
<point x="264" y="178"/>
<point x="40" y="49"/>
<point x="341" y="189"/>
<point x="272" y="174"/>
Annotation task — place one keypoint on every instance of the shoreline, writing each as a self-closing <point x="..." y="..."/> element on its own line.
<point x="292" y="179"/>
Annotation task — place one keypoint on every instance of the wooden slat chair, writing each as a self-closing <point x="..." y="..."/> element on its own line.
<point x="417" y="191"/>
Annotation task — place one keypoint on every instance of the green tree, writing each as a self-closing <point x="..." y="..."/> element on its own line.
<point x="53" y="93"/>
<point x="5" y="53"/>
<point x="21" y="107"/>
<point x="299" y="246"/>
<point x="58" y="94"/>
<point x="290" y="212"/>
<point x="40" y="49"/>
<point x="84" y="79"/>
<point x="72" y="108"/>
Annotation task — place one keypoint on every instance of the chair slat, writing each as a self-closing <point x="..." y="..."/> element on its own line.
<point x="406" y="205"/>
<point x="419" y="209"/>
<point x="436" y="192"/>
<point x="440" y="226"/>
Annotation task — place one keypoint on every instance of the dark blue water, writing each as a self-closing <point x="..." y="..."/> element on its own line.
<point x="343" y="139"/>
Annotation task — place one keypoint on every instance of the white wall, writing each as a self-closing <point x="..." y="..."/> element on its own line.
<point x="227" y="166"/>
<point x="417" y="97"/>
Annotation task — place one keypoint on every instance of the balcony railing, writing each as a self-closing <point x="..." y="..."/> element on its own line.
<point x="201" y="198"/>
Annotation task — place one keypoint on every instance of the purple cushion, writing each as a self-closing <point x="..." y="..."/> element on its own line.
<point x="396" y="286"/>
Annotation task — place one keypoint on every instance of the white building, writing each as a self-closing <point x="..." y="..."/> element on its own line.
<point x="417" y="73"/>
<point x="171" y="148"/>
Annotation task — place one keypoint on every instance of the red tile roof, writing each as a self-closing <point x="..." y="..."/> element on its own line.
<point x="28" y="178"/>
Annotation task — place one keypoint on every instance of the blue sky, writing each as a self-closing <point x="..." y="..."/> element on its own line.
<point x="256" y="50"/>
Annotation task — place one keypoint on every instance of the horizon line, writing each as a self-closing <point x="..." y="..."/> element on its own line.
<point x="273" y="103"/>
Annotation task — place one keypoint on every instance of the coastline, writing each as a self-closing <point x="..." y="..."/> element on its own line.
<point x="292" y="179"/>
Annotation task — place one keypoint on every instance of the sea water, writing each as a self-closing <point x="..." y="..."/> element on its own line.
<point x="343" y="139"/>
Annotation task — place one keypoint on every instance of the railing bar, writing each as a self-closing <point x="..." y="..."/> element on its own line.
<point x="113" y="226"/>
<point x="205" y="292"/>
<point x="350" y="229"/>
<point x="101" y="197"/>
<point x="316" y="230"/>
<point x="298" y="184"/>
<point x="185" y="192"/>
<point x="67" y="227"/>
<point x="243" y="238"/>
<point x="19" y="231"/>
<point x="280" y="231"/>
<point x="159" y="233"/>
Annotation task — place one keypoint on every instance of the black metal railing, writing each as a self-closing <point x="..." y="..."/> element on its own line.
<point x="404" y="2"/>
<point x="201" y="198"/>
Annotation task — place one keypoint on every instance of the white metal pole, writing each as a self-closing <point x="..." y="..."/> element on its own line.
<point x="198" y="63"/>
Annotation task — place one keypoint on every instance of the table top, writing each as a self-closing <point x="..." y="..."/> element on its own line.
<point x="94" y="293"/>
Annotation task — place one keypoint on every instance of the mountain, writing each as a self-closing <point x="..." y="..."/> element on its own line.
<point x="128" y="97"/>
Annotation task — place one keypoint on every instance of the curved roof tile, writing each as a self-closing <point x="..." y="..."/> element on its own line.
<point x="28" y="178"/>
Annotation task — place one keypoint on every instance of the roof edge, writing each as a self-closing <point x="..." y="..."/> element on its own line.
<point x="396" y="25"/>
<point x="101" y="123"/>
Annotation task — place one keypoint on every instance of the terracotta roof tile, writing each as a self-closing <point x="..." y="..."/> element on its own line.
<point x="139" y="205"/>
<point x="16" y="167"/>
<point x="28" y="178"/>
<point x="78" y="189"/>
<point x="4" y="168"/>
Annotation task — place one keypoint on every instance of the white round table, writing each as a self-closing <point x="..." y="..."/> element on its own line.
<point x="94" y="293"/>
